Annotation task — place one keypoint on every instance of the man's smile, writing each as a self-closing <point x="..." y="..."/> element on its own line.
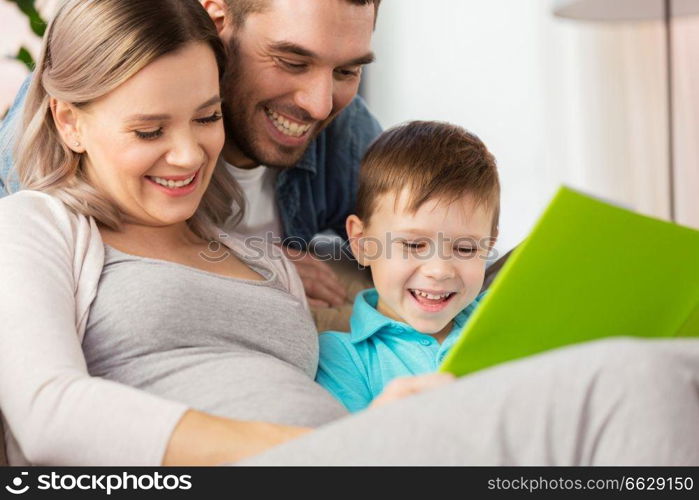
<point x="287" y="126"/>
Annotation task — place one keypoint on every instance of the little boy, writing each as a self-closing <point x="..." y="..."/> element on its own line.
<point x="426" y="219"/>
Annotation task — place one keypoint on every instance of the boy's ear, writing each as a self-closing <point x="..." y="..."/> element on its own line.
<point x="219" y="14"/>
<point x="355" y="232"/>
<point x="66" y="119"/>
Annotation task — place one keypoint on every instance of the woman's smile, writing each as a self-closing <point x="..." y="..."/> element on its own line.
<point x="177" y="185"/>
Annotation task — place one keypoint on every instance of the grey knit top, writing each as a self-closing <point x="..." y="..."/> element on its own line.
<point x="232" y="347"/>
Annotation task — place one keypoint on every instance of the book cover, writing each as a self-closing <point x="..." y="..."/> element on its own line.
<point x="588" y="270"/>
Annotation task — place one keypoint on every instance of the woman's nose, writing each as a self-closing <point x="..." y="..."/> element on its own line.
<point x="186" y="152"/>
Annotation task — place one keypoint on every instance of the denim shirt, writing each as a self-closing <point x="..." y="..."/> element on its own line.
<point x="317" y="194"/>
<point x="321" y="190"/>
<point x="8" y="136"/>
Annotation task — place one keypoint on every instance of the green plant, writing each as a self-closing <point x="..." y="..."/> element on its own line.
<point x="37" y="25"/>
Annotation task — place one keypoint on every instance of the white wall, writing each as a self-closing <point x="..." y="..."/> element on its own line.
<point x="556" y="101"/>
<point x="15" y="33"/>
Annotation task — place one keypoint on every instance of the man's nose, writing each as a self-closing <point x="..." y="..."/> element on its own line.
<point x="186" y="152"/>
<point x="316" y="95"/>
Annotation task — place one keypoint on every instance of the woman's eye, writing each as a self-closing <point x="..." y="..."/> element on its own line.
<point x="149" y="134"/>
<point x="211" y="119"/>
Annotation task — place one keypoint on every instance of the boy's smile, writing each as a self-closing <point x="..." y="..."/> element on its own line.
<point x="428" y="265"/>
<point x="431" y="300"/>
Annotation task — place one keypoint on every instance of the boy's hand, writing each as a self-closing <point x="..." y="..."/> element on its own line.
<point x="407" y="386"/>
<point x="321" y="284"/>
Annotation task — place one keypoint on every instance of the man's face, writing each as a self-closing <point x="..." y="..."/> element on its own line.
<point x="292" y="68"/>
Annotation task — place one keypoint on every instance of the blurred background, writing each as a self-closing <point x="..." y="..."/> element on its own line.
<point x="557" y="100"/>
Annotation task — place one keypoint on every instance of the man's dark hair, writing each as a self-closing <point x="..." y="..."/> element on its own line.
<point x="241" y="9"/>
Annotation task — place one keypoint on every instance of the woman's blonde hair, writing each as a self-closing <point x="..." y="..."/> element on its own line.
<point x="89" y="49"/>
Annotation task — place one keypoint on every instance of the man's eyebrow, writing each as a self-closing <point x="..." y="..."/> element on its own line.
<point x="359" y="61"/>
<point x="294" y="48"/>
<point x="160" y="117"/>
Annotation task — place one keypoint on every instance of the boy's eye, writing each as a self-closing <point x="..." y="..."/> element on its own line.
<point x="466" y="250"/>
<point x="149" y="134"/>
<point x="411" y="245"/>
<point x="210" y="119"/>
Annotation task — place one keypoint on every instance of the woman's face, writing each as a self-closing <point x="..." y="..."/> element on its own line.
<point x="151" y="144"/>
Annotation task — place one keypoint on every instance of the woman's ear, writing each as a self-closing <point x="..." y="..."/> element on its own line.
<point x="66" y="118"/>
<point x="219" y="13"/>
<point x="355" y="232"/>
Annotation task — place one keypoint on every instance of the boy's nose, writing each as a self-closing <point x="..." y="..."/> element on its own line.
<point x="438" y="269"/>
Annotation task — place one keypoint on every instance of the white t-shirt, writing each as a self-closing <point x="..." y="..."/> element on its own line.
<point x="261" y="214"/>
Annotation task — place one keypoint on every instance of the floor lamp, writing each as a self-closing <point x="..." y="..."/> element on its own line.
<point x="638" y="10"/>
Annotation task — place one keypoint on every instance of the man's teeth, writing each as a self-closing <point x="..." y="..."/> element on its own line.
<point x="169" y="183"/>
<point x="431" y="296"/>
<point x="285" y="126"/>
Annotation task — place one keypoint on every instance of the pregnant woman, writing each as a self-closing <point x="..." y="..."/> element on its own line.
<point x="134" y="331"/>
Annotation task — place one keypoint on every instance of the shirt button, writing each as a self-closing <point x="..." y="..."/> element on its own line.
<point x="425" y="341"/>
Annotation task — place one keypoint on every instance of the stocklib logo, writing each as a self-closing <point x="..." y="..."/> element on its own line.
<point x="16" y="488"/>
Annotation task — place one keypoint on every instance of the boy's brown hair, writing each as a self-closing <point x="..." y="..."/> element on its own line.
<point x="431" y="159"/>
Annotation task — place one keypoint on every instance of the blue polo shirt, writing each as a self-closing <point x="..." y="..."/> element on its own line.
<point x="355" y="367"/>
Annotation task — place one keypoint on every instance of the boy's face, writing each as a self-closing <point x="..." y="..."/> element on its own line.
<point x="427" y="266"/>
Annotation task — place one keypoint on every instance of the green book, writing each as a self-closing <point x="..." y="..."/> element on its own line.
<point x="588" y="270"/>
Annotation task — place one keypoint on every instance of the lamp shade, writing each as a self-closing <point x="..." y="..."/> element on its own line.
<point x="621" y="10"/>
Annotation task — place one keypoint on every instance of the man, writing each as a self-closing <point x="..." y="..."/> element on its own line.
<point x="295" y="127"/>
<point x="293" y="118"/>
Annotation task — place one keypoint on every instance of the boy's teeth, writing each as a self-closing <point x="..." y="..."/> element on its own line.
<point x="285" y="126"/>
<point x="431" y="296"/>
<point x="169" y="183"/>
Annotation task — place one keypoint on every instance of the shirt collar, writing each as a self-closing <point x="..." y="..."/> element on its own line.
<point x="366" y="320"/>
<point x="309" y="159"/>
<point x="307" y="162"/>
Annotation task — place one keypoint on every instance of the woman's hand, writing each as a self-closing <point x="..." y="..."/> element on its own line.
<point x="407" y="386"/>
<point x="203" y="439"/>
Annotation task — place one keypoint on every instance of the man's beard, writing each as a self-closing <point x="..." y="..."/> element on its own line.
<point x="240" y="134"/>
<point x="238" y="121"/>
